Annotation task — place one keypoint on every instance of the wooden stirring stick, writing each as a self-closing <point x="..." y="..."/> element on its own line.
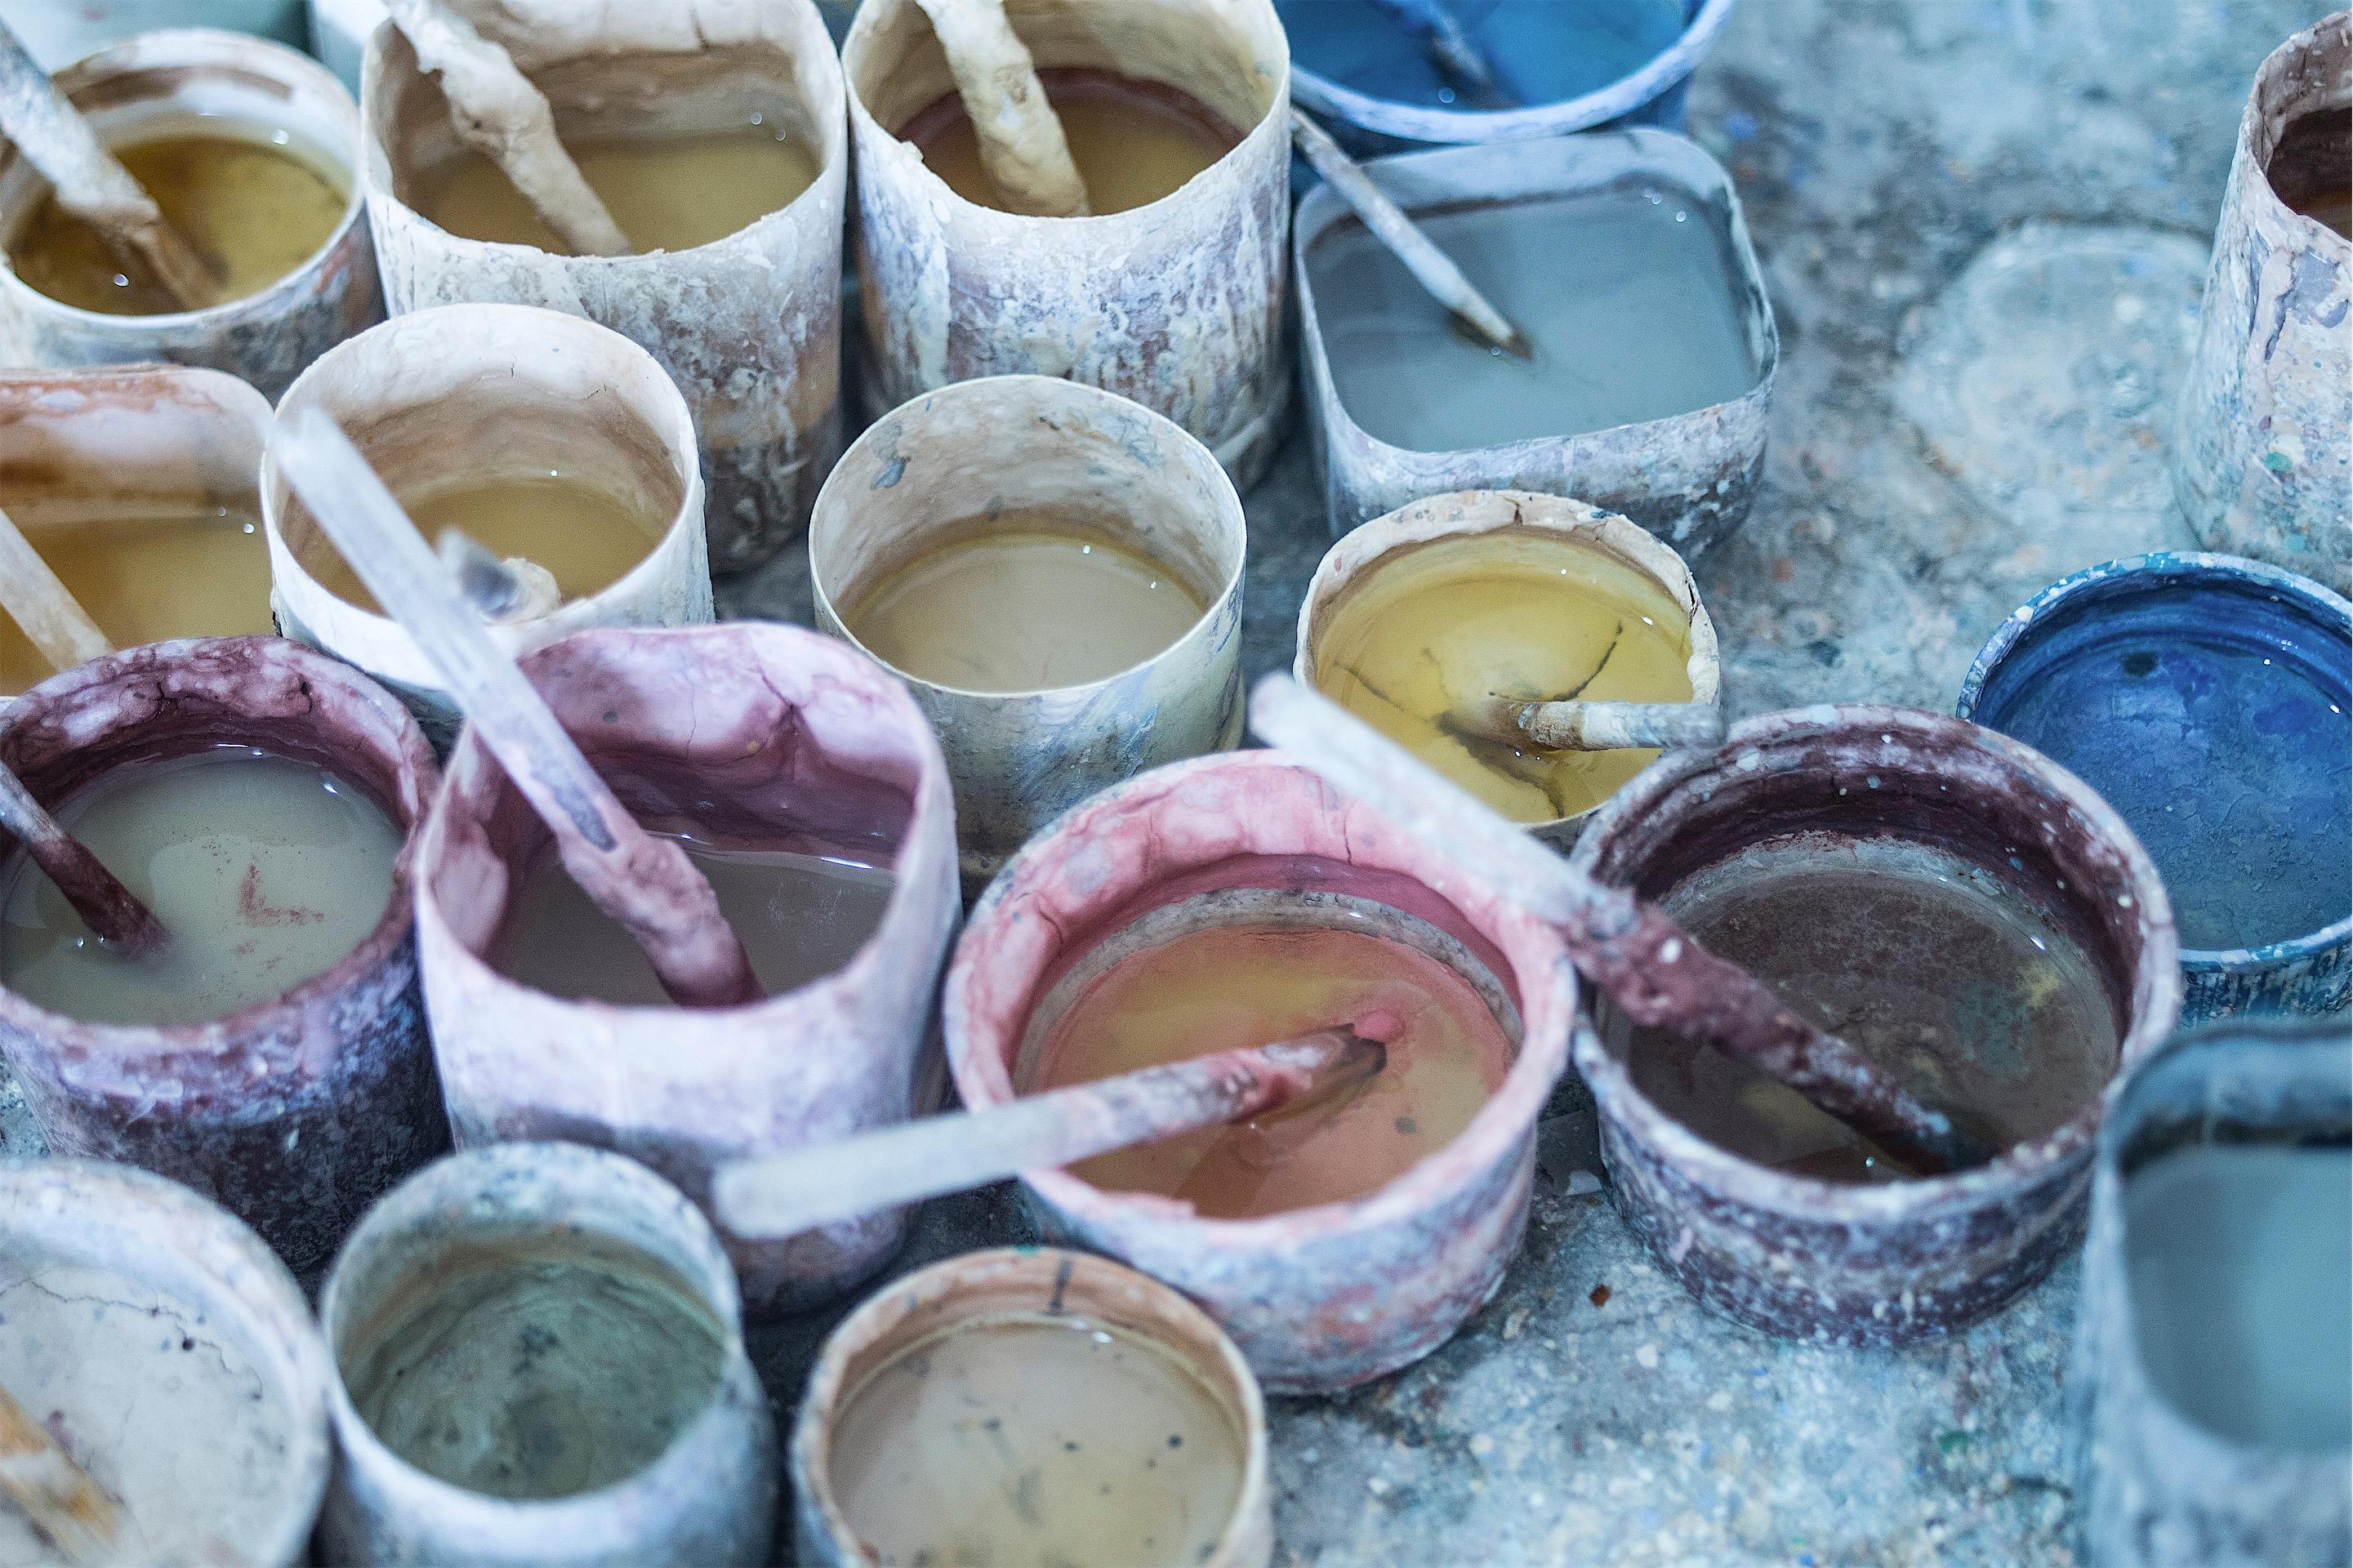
<point x="53" y="621"/>
<point x="784" y="1195"/>
<point x="495" y="109"/>
<point x="74" y="1511"/>
<point x="1021" y="141"/>
<point x="1595" y="726"/>
<point x="1432" y="268"/>
<point x="90" y="182"/>
<point x="646" y="884"/>
<point x="108" y="908"/>
<point x="1656" y="972"/>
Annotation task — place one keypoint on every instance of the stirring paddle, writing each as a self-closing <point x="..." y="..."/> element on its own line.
<point x="77" y="1515"/>
<point x="111" y="911"/>
<point x="90" y="182"/>
<point x="53" y="620"/>
<point x="495" y="108"/>
<point x="646" y="884"/>
<point x="784" y="1195"/>
<point x="1432" y="268"/>
<point x="1578" y="725"/>
<point x="1655" y="971"/>
<point x="1022" y="146"/>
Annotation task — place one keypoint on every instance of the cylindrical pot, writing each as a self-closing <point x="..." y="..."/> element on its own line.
<point x="165" y="80"/>
<point x="1176" y="304"/>
<point x="84" y="449"/>
<point x="2160" y="1486"/>
<point x="1834" y="1263"/>
<point x="2263" y="450"/>
<point x="494" y="391"/>
<point x="1317" y="1298"/>
<point x="2153" y="741"/>
<point x="1030" y="1283"/>
<point x="769" y="733"/>
<point x="1389" y="540"/>
<point x="708" y="1497"/>
<point x="749" y="326"/>
<point x="920" y="473"/>
<point x="291" y="1114"/>
<point x="172" y="1355"/>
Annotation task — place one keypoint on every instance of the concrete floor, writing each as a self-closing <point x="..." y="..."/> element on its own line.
<point x="1984" y="225"/>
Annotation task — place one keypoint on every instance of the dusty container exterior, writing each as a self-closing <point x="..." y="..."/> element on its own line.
<point x="709" y="1501"/>
<point x="469" y="389"/>
<point x="2158" y="1489"/>
<point x="295" y="1113"/>
<point x="768" y="732"/>
<point x="1321" y="1298"/>
<point x="2261" y="458"/>
<point x="207" y="1280"/>
<point x="1176" y="304"/>
<point x="159" y="81"/>
<point x="78" y="446"/>
<point x="1020" y="759"/>
<point x="1690" y="478"/>
<point x="2311" y="974"/>
<point x="1028" y="1281"/>
<point x="1467" y="513"/>
<point x="748" y="326"/>
<point x="1835" y="1263"/>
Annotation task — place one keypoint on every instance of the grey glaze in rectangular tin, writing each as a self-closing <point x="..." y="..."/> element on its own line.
<point x="1688" y="479"/>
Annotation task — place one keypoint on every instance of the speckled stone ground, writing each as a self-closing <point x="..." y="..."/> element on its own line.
<point x="1983" y="224"/>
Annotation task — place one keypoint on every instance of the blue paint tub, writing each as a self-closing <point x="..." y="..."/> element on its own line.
<point x="2206" y="696"/>
<point x="1572" y="65"/>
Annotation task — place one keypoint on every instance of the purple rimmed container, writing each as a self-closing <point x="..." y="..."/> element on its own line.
<point x="1809" y="1259"/>
<point x="295" y="1113"/>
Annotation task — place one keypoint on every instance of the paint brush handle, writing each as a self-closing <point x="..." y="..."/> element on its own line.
<point x="90" y="182"/>
<point x="1022" y="144"/>
<point x="497" y="109"/>
<point x="1576" y="725"/>
<point x="1656" y="972"/>
<point x="107" y="908"/>
<point x="645" y="883"/>
<point x="76" y="1514"/>
<point x="784" y="1195"/>
<point x="1431" y="267"/>
<point x="52" y="620"/>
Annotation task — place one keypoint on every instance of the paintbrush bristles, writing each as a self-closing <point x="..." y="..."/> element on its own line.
<point x="77" y="1515"/>
<point x="786" y="1195"/>
<point x="1579" y="725"/>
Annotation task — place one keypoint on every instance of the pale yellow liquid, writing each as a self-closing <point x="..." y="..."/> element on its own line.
<point x="799" y="916"/>
<point x="1517" y="614"/>
<point x="1028" y="1441"/>
<point x="1032" y="604"/>
<point x="252" y="210"/>
<point x="1132" y="143"/>
<point x="146" y="579"/>
<point x="266" y="871"/>
<point x="668" y="193"/>
<point x="588" y="539"/>
<point x="1230" y="986"/>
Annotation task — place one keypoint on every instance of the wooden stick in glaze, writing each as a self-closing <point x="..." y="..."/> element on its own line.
<point x="74" y="1511"/>
<point x="1656" y="972"/>
<point x="1021" y="141"/>
<point x="646" y="884"/>
<point x="495" y="108"/>
<point x="784" y="1195"/>
<point x="52" y="618"/>
<point x="1432" y="268"/>
<point x="90" y="182"/>
<point x="1594" y="726"/>
<point x="108" y="908"/>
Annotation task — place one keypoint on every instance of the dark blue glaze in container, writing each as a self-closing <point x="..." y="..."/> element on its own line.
<point x="1572" y="65"/>
<point x="2206" y="696"/>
